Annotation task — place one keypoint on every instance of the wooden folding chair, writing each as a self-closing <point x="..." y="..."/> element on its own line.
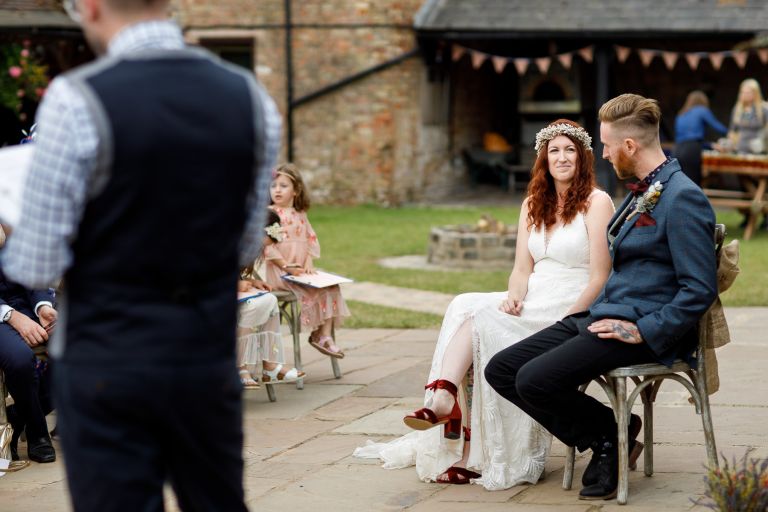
<point x="648" y="379"/>
<point x="289" y="310"/>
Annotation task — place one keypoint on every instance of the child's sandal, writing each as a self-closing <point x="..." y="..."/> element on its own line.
<point x="325" y="345"/>
<point x="247" y="380"/>
<point x="277" y="375"/>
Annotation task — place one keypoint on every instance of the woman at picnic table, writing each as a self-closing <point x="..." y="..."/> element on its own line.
<point x="691" y="126"/>
<point x="749" y="119"/>
<point x="561" y="264"/>
<point x="747" y="132"/>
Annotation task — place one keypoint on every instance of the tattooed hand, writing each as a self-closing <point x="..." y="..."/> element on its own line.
<point x="621" y="330"/>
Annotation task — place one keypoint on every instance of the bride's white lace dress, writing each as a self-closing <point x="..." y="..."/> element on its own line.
<point x="507" y="447"/>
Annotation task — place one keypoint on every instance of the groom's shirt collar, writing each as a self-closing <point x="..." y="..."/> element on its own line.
<point x="652" y="175"/>
<point x="648" y="180"/>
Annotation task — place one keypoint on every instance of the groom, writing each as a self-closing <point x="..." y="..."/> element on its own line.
<point x="663" y="279"/>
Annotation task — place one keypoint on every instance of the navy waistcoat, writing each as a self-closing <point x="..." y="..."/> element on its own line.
<point x="156" y="255"/>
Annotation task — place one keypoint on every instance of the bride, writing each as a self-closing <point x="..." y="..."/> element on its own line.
<point x="561" y="264"/>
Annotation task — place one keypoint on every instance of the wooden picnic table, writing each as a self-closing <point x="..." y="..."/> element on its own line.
<point x="752" y="171"/>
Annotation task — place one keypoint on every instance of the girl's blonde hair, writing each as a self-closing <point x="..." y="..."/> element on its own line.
<point x="738" y="110"/>
<point x="290" y="171"/>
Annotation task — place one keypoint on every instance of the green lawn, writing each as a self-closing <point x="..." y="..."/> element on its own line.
<point x="377" y="317"/>
<point x="353" y="239"/>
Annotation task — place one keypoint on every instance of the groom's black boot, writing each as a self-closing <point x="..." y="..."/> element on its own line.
<point x="635" y="449"/>
<point x="607" y="468"/>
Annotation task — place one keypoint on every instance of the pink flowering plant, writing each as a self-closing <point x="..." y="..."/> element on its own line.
<point x="23" y="78"/>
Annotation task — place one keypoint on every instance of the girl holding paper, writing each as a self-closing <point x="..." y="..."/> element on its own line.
<point x="258" y="324"/>
<point x="322" y="309"/>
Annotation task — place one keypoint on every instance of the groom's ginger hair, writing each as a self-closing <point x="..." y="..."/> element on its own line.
<point x="633" y="116"/>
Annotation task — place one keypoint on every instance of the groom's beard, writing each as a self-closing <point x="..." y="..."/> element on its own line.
<point x="624" y="166"/>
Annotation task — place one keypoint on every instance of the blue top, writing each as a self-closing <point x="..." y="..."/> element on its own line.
<point x="692" y="124"/>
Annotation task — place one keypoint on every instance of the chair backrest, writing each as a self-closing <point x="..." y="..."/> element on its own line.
<point x="719" y="239"/>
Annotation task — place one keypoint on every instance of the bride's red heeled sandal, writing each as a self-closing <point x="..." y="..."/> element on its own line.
<point x="425" y="418"/>
<point x="456" y="475"/>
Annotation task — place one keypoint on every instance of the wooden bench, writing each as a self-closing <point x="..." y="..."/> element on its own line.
<point x="752" y="171"/>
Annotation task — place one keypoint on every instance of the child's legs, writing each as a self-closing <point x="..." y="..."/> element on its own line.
<point x="243" y="339"/>
<point x="322" y="309"/>
<point x="326" y="328"/>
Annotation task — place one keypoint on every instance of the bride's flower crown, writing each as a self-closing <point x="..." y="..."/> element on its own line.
<point x="550" y="132"/>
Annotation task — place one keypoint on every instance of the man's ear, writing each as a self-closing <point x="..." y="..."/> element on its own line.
<point x="630" y="146"/>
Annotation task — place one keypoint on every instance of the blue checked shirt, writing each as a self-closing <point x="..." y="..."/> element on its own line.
<point x="39" y="251"/>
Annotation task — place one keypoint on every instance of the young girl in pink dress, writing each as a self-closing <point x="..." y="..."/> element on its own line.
<point x="322" y="309"/>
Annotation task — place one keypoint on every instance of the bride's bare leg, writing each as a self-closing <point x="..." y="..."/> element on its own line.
<point x="456" y="362"/>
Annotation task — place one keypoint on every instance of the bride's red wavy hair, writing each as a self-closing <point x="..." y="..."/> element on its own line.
<point x="542" y="197"/>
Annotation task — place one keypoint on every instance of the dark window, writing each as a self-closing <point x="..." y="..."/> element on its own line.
<point x="548" y="91"/>
<point x="239" y="53"/>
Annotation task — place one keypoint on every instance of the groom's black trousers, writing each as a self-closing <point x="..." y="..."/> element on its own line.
<point x="542" y="374"/>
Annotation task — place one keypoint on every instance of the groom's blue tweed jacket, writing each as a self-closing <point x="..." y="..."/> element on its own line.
<point x="664" y="277"/>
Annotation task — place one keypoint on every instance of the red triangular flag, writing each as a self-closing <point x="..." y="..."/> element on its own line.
<point x="458" y="52"/>
<point x="622" y="52"/>
<point x="646" y="56"/>
<point x="499" y="63"/>
<point x="670" y="59"/>
<point x="543" y="64"/>
<point x="693" y="60"/>
<point x="566" y="60"/>
<point x="717" y="60"/>
<point x="586" y="53"/>
<point x="521" y="65"/>
<point x="478" y="58"/>
<point x="740" y="58"/>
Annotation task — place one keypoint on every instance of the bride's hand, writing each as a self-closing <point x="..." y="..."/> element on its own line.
<point x="511" y="307"/>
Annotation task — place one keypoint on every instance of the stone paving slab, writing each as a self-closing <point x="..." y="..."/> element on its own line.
<point x="350" y="408"/>
<point x="292" y="402"/>
<point x="298" y="450"/>
<point x="349" y="488"/>
<point x="408" y="382"/>
<point x="324" y="449"/>
<point x="386" y="421"/>
<point x="266" y="438"/>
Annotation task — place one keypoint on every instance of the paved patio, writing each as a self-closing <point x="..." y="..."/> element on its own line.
<point x="298" y="449"/>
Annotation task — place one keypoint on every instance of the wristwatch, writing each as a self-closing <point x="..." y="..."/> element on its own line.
<point x="7" y="315"/>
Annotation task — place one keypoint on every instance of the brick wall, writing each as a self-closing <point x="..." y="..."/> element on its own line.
<point x="365" y="141"/>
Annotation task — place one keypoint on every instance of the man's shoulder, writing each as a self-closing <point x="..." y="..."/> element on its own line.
<point x="677" y="182"/>
<point x="681" y="192"/>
